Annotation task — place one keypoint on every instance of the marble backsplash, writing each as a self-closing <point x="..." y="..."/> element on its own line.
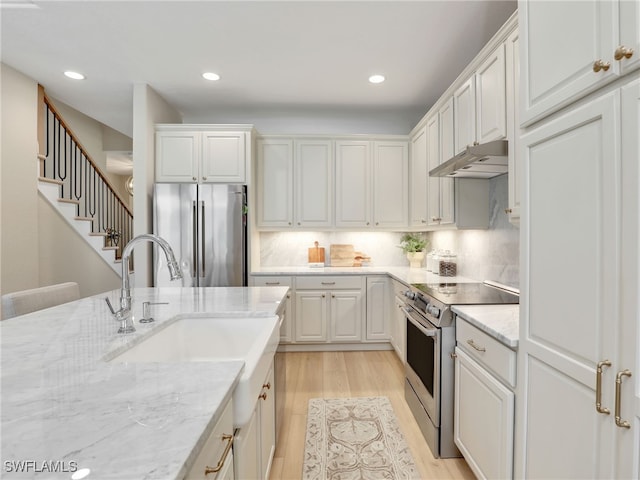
<point x="491" y="254"/>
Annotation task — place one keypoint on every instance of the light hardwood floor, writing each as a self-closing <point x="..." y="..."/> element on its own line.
<point x="349" y="374"/>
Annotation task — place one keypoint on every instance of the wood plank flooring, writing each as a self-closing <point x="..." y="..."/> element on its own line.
<point x="350" y="374"/>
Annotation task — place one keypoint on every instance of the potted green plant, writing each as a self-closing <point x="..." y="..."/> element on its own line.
<point x="414" y="245"/>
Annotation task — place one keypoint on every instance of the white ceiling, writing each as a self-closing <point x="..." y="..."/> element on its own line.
<point x="272" y="56"/>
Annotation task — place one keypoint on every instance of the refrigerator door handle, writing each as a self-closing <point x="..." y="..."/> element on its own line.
<point x="194" y="239"/>
<point x="203" y="241"/>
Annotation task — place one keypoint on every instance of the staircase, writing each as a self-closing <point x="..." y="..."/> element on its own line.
<point x="75" y="186"/>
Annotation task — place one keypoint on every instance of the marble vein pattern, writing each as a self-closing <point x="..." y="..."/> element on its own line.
<point x="499" y="321"/>
<point x="62" y="401"/>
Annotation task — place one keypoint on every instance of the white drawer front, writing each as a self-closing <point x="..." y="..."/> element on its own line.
<point x="324" y="282"/>
<point x="272" y="281"/>
<point x="492" y="354"/>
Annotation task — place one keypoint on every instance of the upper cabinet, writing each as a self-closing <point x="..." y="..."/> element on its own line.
<point x="584" y="46"/>
<point x="491" y="102"/>
<point x="313" y="166"/>
<point x="202" y="153"/>
<point x="275" y="182"/>
<point x="353" y="183"/>
<point x="513" y="126"/>
<point x="464" y="104"/>
<point x="440" y="146"/>
<point x="418" y="174"/>
<point x="390" y="183"/>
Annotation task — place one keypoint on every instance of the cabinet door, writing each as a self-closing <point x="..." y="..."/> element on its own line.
<point x="353" y="184"/>
<point x="571" y="239"/>
<point x="314" y="186"/>
<point x="629" y="35"/>
<point x="560" y="43"/>
<point x="223" y="157"/>
<point x="311" y="316"/>
<point x="491" y="102"/>
<point x="390" y="184"/>
<point x="275" y="183"/>
<point x="513" y="125"/>
<point x="483" y="419"/>
<point x="433" y="160"/>
<point x="246" y="449"/>
<point x="464" y="104"/>
<point x="400" y="331"/>
<point x="177" y="156"/>
<point x="418" y="175"/>
<point x="267" y="408"/>
<point x="447" y="147"/>
<point x="346" y="315"/>
<point x="378" y="308"/>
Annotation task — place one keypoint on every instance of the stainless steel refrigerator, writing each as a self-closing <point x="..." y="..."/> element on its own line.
<point x="206" y="227"/>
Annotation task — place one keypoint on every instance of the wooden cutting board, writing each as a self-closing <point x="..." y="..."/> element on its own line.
<point x="316" y="255"/>
<point x="342" y="255"/>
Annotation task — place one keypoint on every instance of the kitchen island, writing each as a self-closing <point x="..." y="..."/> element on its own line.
<point x="66" y="408"/>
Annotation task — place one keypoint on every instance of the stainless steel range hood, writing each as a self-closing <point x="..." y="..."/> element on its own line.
<point x="476" y="161"/>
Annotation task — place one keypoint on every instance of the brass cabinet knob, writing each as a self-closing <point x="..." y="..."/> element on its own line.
<point x="423" y="220"/>
<point x="600" y="65"/>
<point x="267" y="385"/>
<point x="289" y="223"/>
<point x="263" y="396"/>
<point x="204" y="178"/>
<point x="508" y="211"/>
<point x="195" y="179"/>
<point x="623" y="52"/>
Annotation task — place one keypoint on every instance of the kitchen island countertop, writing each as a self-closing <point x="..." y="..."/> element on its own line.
<point x="65" y="407"/>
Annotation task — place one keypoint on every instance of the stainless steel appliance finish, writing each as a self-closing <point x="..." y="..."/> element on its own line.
<point x="476" y="161"/>
<point x="429" y="368"/>
<point x="206" y="226"/>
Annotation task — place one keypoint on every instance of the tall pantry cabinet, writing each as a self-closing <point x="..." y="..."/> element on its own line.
<point x="578" y="399"/>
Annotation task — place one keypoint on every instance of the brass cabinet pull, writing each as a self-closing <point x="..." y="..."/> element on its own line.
<point x="508" y="210"/>
<point x="273" y="283"/>
<point x="599" y="407"/>
<point x="267" y="386"/>
<point x="263" y="396"/>
<point x="623" y="52"/>
<point x="328" y="283"/>
<point x="225" y="438"/>
<point x="480" y="349"/>
<point x="600" y="65"/>
<point x="619" y="422"/>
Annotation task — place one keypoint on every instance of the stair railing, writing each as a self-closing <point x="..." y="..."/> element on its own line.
<point x="83" y="183"/>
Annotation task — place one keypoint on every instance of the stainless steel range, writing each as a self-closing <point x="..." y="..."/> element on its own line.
<point x="430" y="344"/>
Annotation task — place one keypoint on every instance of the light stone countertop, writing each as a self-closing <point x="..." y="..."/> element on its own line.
<point x="499" y="321"/>
<point x="63" y="402"/>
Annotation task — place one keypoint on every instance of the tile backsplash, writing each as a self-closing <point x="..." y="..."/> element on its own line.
<point x="491" y="254"/>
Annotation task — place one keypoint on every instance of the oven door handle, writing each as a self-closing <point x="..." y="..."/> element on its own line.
<point x="429" y="332"/>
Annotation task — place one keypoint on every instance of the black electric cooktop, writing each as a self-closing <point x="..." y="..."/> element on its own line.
<point x="467" y="293"/>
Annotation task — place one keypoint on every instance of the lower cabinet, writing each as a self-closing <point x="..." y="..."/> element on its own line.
<point x="328" y="309"/>
<point x="399" y="321"/>
<point x="215" y="460"/>
<point x="378" y="308"/>
<point x="286" y="333"/>
<point x="256" y="441"/>
<point x="484" y="406"/>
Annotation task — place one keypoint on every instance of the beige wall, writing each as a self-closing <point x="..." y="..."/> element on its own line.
<point x="19" y="164"/>
<point x="149" y="108"/>
<point x="66" y="257"/>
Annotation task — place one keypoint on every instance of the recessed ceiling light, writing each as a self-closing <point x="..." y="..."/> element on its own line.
<point x="74" y="75"/>
<point x="211" y="76"/>
<point x="376" y="78"/>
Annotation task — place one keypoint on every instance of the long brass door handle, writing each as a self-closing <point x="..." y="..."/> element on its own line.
<point x="599" y="407"/>
<point x="225" y="438"/>
<point x="619" y="422"/>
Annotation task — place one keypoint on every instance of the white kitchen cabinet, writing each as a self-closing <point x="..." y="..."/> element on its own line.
<point x="286" y="329"/>
<point x="418" y="174"/>
<point x="328" y="309"/>
<point x="483" y="419"/>
<point x="440" y="147"/>
<point x="313" y="166"/>
<point x="565" y="42"/>
<point x="491" y="101"/>
<point x="201" y="154"/>
<point x="378" y="308"/>
<point x="275" y="182"/>
<point x="353" y="183"/>
<point x="215" y="460"/>
<point x="513" y="125"/>
<point x="399" y="321"/>
<point x="255" y="442"/>
<point x="464" y="106"/>
<point x="571" y="292"/>
<point x="629" y="54"/>
<point x="390" y="184"/>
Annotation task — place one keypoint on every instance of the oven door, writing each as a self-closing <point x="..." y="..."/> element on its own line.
<point x="423" y="362"/>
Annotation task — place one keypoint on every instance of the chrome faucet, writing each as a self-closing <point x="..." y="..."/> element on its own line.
<point x="124" y="313"/>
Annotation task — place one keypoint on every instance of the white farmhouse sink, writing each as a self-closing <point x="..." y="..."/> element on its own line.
<point x="252" y="340"/>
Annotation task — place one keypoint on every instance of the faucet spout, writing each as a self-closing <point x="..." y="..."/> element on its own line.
<point x="125" y="290"/>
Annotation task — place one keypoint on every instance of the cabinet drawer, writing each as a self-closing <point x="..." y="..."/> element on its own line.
<point x="492" y="354"/>
<point x="325" y="282"/>
<point x="214" y="450"/>
<point x="272" y="281"/>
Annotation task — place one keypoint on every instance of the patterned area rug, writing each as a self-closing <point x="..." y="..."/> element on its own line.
<point x="355" y="438"/>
